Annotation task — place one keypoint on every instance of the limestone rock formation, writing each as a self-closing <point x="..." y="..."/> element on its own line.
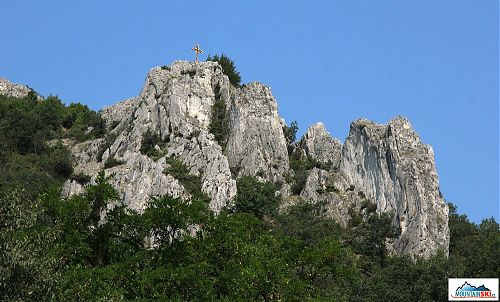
<point x="14" y="90"/>
<point x="394" y="169"/>
<point x="175" y="104"/>
<point x="332" y="191"/>
<point x="256" y="144"/>
<point x="320" y="145"/>
<point x="386" y="166"/>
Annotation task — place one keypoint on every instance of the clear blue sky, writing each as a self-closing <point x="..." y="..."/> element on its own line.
<point x="435" y="62"/>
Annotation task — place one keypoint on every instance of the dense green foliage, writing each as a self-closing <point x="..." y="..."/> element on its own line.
<point x="25" y="124"/>
<point x="228" y="67"/>
<point x="27" y="159"/>
<point x="300" y="165"/>
<point x="474" y="249"/>
<point x="83" y="123"/>
<point x="219" y="123"/>
<point x="92" y="248"/>
<point x="192" y="183"/>
<point x="81" y="178"/>
<point x="256" y="198"/>
<point x="61" y="250"/>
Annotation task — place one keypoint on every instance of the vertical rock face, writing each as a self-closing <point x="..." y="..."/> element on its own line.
<point x="396" y="170"/>
<point x="256" y="144"/>
<point x="331" y="190"/>
<point x="174" y="102"/>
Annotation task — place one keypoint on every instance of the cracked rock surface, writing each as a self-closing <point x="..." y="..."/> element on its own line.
<point x="394" y="169"/>
<point x="175" y="104"/>
<point x="387" y="166"/>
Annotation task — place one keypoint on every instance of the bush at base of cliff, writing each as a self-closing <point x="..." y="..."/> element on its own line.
<point x="255" y="197"/>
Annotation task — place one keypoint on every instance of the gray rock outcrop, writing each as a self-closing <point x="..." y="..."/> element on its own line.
<point x="320" y="145"/>
<point x="13" y="90"/>
<point x="256" y="144"/>
<point x="396" y="170"/>
<point x="388" y="166"/>
<point x="385" y="165"/>
<point x="331" y="190"/>
<point x="175" y="104"/>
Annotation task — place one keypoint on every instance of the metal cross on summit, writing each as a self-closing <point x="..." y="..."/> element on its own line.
<point x="197" y="50"/>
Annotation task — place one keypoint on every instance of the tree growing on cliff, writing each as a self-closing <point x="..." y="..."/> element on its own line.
<point x="290" y="133"/>
<point x="228" y="68"/>
<point x="219" y="124"/>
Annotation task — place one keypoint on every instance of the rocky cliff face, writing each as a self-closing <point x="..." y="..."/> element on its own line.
<point x="319" y="145"/>
<point x="396" y="171"/>
<point x="14" y="90"/>
<point x="386" y="166"/>
<point x="175" y="104"/>
<point x="256" y="144"/>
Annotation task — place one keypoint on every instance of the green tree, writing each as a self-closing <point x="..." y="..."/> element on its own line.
<point x="28" y="268"/>
<point x="27" y="158"/>
<point x="330" y="268"/>
<point x="255" y="197"/>
<point x="228" y="67"/>
<point x="219" y="123"/>
<point x="428" y="280"/>
<point x="290" y="133"/>
<point x="168" y="218"/>
<point x="368" y="237"/>
<point x="83" y="123"/>
<point x="99" y="196"/>
<point x="300" y="165"/>
<point x="473" y="248"/>
<point x="21" y="127"/>
<point x="60" y="160"/>
<point x="51" y="113"/>
<point x="149" y="142"/>
<point x="247" y="262"/>
<point x="307" y="223"/>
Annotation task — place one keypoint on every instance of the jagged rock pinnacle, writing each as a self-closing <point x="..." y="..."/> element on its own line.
<point x="320" y="145"/>
<point x="384" y="165"/>
<point x="395" y="170"/>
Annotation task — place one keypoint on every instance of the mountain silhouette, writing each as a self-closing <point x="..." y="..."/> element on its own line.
<point x="467" y="287"/>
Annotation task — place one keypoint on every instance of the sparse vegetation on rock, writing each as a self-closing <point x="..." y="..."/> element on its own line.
<point x="112" y="162"/>
<point x="152" y="145"/>
<point x="228" y="67"/>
